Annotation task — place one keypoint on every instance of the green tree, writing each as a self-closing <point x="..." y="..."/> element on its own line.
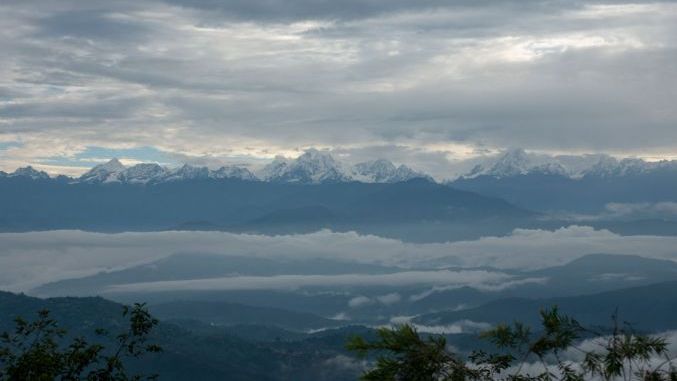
<point x="401" y="354"/>
<point x="34" y="350"/>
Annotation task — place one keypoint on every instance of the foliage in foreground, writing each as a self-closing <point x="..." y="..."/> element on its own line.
<point x="619" y="355"/>
<point x="33" y="351"/>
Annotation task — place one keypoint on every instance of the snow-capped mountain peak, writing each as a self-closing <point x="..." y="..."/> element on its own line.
<point x="384" y="171"/>
<point x="404" y="173"/>
<point x="605" y="166"/>
<point x="187" y="172"/>
<point x="510" y="163"/>
<point x="316" y="166"/>
<point x="30" y="172"/>
<point x="378" y="167"/>
<point x="513" y="162"/>
<point x="233" y="172"/>
<point x="636" y="166"/>
<point x="113" y="165"/>
<point x="316" y="160"/>
<point x="312" y="167"/>
<point x="608" y="166"/>
<point x="519" y="162"/>
<point x="551" y="168"/>
<point x="143" y="173"/>
<point x="106" y="172"/>
<point x="274" y="169"/>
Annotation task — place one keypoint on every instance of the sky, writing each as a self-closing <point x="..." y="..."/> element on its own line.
<point x="428" y="83"/>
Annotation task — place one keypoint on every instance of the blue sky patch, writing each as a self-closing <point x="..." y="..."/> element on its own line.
<point x="7" y="145"/>
<point x="97" y="155"/>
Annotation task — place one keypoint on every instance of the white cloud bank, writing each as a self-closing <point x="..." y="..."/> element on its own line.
<point x="461" y="326"/>
<point x="31" y="259"/>
<point x="472" y="278"/>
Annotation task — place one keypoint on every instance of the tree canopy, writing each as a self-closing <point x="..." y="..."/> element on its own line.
<point x="521" y="354"/>
<point x="35" y="350"/>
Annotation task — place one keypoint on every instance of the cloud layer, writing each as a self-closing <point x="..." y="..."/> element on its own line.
<point x="426" y="82"/>
<point x="476" y="279"/>
<point x="30" y="259"/>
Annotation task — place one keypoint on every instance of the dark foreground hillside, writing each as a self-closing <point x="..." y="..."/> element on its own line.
<point x="651" y="308"/>
<point x="194" y="351"/>
<point x="249" y="346"/>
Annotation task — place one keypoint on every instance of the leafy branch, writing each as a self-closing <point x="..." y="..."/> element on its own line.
<point x="621" y="355"/>
<point x="32" y="352"/>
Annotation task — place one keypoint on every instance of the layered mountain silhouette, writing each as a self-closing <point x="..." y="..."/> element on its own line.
<point x="312" y="167"/>
<point x="647" y="308"/>
<point x="316" y="166"/>
<point x="247" y="206"/>
<point x="316" y="191"/>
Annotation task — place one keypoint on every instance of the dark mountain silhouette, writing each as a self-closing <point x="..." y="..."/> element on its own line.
<point x="251" y="206"/>
<point x="651" y="308"/>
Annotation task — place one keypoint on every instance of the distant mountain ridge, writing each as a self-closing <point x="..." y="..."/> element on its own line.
<point x="115" y="172"/>
<point x="543" y="183"/>
<point x="312" y="167"/>
<point x="518" y="162"/>
<point x="318" y="167"/>
<point x="27" y="172"/>
<point x="586" y="275"/>
<point x="401" y="209"/>
<point x="578" y="184"/>
<point x="649" y="308"/>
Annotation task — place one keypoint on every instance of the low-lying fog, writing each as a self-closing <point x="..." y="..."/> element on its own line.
<point x="30" y="259"/>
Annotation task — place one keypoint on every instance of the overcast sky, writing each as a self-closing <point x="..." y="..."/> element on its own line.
<point x="423" y="82"/>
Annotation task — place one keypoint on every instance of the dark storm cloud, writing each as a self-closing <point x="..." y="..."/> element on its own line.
<point x="90" y="24"/>
<point x="281" y="10"/>
<point x="291" y="10"/>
